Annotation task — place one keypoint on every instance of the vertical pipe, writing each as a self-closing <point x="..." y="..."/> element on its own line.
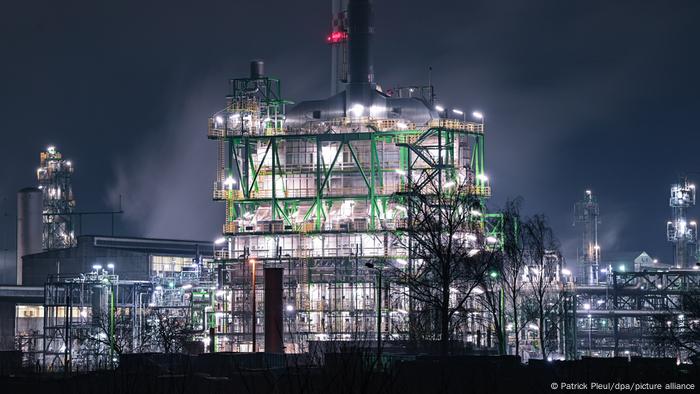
<point x="379" y="317"/>
<point x="372" y="200"/>
<point x="254" y="308"/>
<point x="273" y="212"/>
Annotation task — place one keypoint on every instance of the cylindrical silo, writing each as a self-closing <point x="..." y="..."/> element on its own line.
<point x="29" y="225"/>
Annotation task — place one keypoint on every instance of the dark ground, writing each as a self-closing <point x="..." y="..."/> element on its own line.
<point x="353" y="373"/>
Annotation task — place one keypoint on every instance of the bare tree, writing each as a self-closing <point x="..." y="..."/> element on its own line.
<point x="108" y="336"/>
<point x="542" y="252"/>
<point x="514" y="247"/>
<point x="164" y="331"/>
<point x="444" y="240"/>
<point x="490" y="297"/>
<point x="681" y="331"/>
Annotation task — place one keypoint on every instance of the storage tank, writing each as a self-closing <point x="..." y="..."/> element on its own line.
<point x="29" y="225"/>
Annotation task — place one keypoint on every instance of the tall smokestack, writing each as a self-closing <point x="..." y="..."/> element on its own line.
<point x="360" y="89"/>
<point x="361" y="30"/>
<point x="29" y="225"/>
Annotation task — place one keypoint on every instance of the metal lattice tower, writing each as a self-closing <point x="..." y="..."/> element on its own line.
<point x="54" y="178"/>
<point x="679" y="231"/>
<point x="587" y="218"/>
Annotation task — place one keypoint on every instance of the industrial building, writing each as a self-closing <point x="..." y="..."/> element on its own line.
<point x="317" y="190"/>
<point x="129" y="264"/>
<point x="312" y="195"/>
<point x="624" y="305"/>
<point x="315" y="202"/>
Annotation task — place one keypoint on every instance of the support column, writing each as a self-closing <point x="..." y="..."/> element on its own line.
<point x="273" y="311"/>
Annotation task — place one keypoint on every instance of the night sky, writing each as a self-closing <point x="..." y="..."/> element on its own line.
<point x="577" y="94"/>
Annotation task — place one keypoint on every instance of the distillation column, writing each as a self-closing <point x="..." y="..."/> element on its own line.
<point x="54" y="178"/>
<point x="679" y="231"/>
<point x="587" y="218"/>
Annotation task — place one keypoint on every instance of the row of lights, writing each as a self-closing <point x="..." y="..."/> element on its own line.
<point x="98" y="267"/>
<point x="358" y="110"/>
<point x="476" y="114"/>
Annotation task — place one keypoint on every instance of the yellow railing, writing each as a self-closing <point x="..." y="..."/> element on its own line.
<point x="223" y="194"/>
<point x="356" y="224"/>
<point x="342" y="124"/>
<point x="454" y="124"/>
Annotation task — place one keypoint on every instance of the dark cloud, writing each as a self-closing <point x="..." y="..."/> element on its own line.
<point x="578" y="94"/>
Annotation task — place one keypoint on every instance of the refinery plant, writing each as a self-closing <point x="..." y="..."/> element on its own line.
<point x="318" y="245"/>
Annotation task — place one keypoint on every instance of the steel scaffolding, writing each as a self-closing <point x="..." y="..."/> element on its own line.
<point x="88" y="318"/>
<point x="54" y="178"/>
<point x="320" y="201"/>
<point x="625" y="316"/>
<point x="679" y="231"/>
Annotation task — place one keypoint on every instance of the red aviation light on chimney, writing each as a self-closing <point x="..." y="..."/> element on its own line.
<point x="337" y="37"/>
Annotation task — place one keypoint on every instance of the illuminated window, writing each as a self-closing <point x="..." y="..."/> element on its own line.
<point x="29" y="311"/>
<point x="169" y="263"/>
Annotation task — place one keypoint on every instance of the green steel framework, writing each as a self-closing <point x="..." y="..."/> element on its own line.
<point x="417" y="162"/>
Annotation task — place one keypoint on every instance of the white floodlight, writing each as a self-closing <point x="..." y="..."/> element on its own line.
<point x="290" y="308"/>
<point x="587" y="306"/>
<point x="357" y="110"/>
<point x="478" y="115"/>
<point x="458" y="112"/>
<point x="565" y="271"/>
<point x="229" y="182"/>
<point x="220" y="241"/>
<point x="97" y="267"/>
<point x="482" y="178"/>
<point x="440" y="108"/>
<point x="186" y="287"/>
